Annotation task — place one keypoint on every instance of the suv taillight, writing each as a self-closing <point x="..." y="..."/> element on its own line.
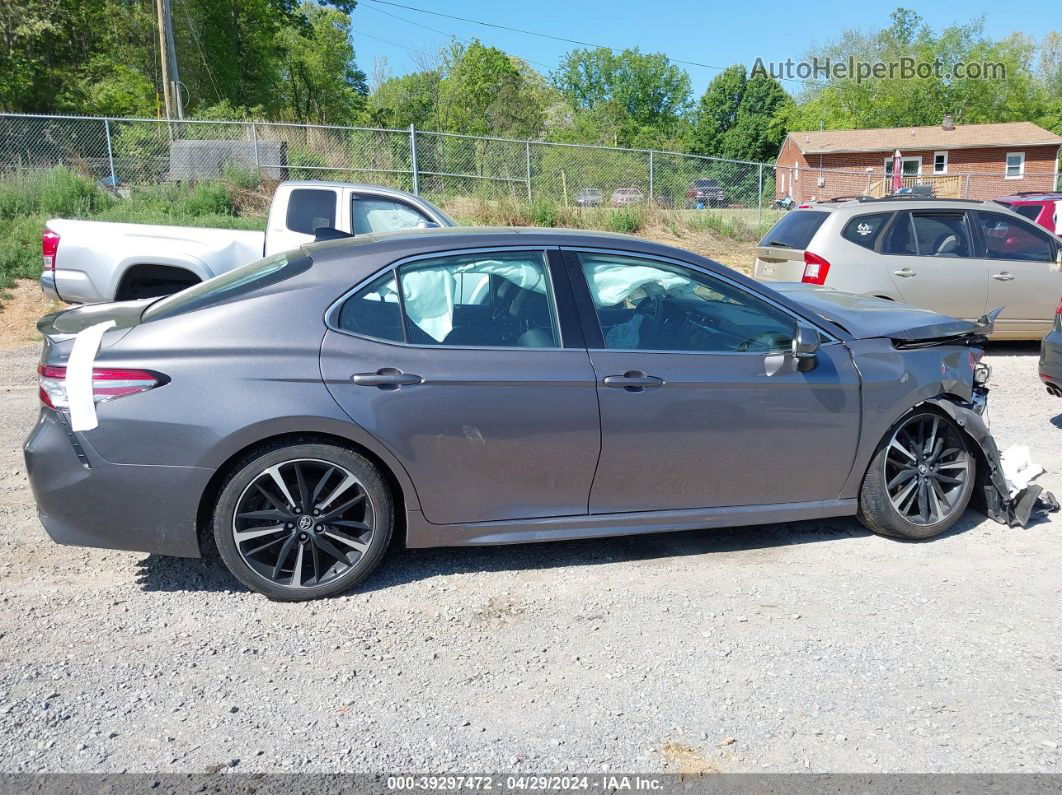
<point x="815" y="269"/>
<point x="1058" y="309"/>
<point x="49" y="245"/>
<point x="107" y="384"/>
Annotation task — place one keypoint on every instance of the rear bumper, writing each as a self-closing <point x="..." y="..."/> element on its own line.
<point x="73" y="287"/>
<point x="84" y="500"/>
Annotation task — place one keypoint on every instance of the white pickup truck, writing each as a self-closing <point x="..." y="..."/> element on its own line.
<point x="88" y="262"/>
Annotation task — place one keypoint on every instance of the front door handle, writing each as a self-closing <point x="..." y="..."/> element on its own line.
<point x="386" y="378"/>
<point x="632" y="381"/>
<point x="905" y="273"/>
<point x="1003" y="277"/>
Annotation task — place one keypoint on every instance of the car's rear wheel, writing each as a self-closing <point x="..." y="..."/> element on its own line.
<point x="920" y="479"/>
<point x="303" y="521"/>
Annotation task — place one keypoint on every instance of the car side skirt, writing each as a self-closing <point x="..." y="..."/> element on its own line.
<point x="421" y="533"/>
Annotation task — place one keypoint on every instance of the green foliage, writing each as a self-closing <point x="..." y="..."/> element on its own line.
<point x="56" y="191"/>
<point x="898" y="101"/>
<point x="737" y="117"/>
<point x="544" y="213"/>
<point x="304" y="163"/>
<point x="626" y="221"/>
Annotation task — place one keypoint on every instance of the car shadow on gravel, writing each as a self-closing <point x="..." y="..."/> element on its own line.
<point x="402" y="566"/>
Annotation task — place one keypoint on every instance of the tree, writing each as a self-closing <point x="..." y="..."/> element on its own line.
<point x="740" y="117"/>
<point x="894" y="101"/>
<point x="486" y="92"/>
<point x="640" y="97"/>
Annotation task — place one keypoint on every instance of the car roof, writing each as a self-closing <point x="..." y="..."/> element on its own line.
<point x="1033" y="196"/>
<point x="364" y="186"/>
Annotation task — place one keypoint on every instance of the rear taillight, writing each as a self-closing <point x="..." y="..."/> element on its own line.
<point x="815" y="269"/>
<point x="107" y="384"/>
<point x="1058" y="309"/>
<point x="49" y="245"/>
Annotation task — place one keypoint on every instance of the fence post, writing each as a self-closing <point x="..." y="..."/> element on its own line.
<point x="257" y="160"/>
<point x="110" y="153"/>
<point x="651" y="194"/>
<point x="413" y="158"/>
<point x="759" y="200"/>
<point x="527" y="155"/>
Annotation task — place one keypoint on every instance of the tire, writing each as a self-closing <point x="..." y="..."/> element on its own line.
<point x="280" y="535"/>
<point x="888" y="511"/>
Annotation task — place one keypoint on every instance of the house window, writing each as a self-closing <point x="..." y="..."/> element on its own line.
<point x="1015" y="165"/>
<point x="940" y="162"/>
<point x="909" y="166"/>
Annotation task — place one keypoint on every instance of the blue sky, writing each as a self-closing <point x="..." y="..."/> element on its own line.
<point x="698" y="30"/>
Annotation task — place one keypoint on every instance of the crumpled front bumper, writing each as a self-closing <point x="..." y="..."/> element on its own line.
<point x="84" y="500"/>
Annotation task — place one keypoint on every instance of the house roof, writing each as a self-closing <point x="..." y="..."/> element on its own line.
<point x="964" y="136"/>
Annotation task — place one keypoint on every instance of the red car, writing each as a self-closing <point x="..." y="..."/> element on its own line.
<point x="1044" y="209"/>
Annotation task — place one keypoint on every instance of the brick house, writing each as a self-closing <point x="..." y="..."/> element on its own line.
<point x="976" y="161"/>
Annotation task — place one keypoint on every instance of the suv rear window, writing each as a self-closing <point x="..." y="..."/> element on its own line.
<point x="795" y="229"/>
<point x="310" y="208"/>
<point x="863" y="230"/>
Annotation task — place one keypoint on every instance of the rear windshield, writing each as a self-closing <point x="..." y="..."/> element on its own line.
<point x="242" y="280"/>
<point x="795" y="229"/>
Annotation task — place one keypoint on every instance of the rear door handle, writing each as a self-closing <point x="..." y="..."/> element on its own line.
<point x="632" y="381"/>
<point x="906" y="273"/>
<point x="1003" y="277"/>
<point x="386" y="378"/>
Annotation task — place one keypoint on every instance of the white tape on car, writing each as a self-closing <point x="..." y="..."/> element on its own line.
<point x="79" y="376"/>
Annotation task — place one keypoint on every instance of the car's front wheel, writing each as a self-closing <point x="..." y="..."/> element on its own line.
<point x="920" y="479"/>
<point x="302" y="521"/>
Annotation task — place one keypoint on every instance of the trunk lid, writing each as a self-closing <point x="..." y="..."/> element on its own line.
<point x="780" y="255"/>
<point x="60" y="328"/>
<point x="864" y="316"/>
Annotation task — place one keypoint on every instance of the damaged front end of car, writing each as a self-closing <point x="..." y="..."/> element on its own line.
<point x="965" y="401"/>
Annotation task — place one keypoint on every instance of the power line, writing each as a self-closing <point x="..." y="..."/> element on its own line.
<point x="545" y="35"/>
<point x="443" y="32"/>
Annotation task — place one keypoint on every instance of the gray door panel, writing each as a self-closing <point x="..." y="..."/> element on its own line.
<point x="719" y="431"/>
<point x="487" y="434"/>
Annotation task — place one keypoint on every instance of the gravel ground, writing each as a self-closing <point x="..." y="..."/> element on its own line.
<point x="805" y="647"/>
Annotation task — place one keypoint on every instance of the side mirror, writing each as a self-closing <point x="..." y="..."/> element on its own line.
<point x="322" y="233"/>
<point x="806" y="343"/>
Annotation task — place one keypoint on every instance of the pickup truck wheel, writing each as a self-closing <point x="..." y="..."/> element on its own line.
<point x="151" y="281"/>
<point x="920" y="479"/>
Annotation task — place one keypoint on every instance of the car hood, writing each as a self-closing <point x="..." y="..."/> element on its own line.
<point x="864" y="316"/>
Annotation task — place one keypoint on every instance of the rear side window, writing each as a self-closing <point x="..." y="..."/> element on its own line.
<point x="1030" y="211"/>
<point x="863" y="230"/>
<point x="310" y="208"/>
<point x="374" y="311"/>
<point x="795" y="229"/>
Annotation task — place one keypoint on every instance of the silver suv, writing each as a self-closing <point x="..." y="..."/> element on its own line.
<point x="955" y="256"/>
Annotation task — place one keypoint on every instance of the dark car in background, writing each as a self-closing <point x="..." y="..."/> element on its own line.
<point x="704" y="193"/>
<point x="471" y="386"/>
<point x="1051" y="356"/>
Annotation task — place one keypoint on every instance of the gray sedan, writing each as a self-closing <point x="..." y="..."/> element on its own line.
<point x="464" y="386"/>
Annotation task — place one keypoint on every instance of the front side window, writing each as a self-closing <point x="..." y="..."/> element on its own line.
<point x="497" y="300"/>
<point x="863" y="230"/>
<point x="310" y="209"/>
<point x="383" y="215"/>
<point x="1015" y="165"/>
<point x="655" y="306"/>
<point x="1010" y="238"/>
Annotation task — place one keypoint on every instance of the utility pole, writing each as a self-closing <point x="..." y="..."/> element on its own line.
<point x="171" y="83"/>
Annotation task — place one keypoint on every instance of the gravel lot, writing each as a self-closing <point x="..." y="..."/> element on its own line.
<point x="812" y="646"/>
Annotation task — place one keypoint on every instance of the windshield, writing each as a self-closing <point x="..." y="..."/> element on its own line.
<point x="227" y="286"/>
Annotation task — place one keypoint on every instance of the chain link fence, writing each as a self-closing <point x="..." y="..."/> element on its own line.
<point x="137" y="152"/>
